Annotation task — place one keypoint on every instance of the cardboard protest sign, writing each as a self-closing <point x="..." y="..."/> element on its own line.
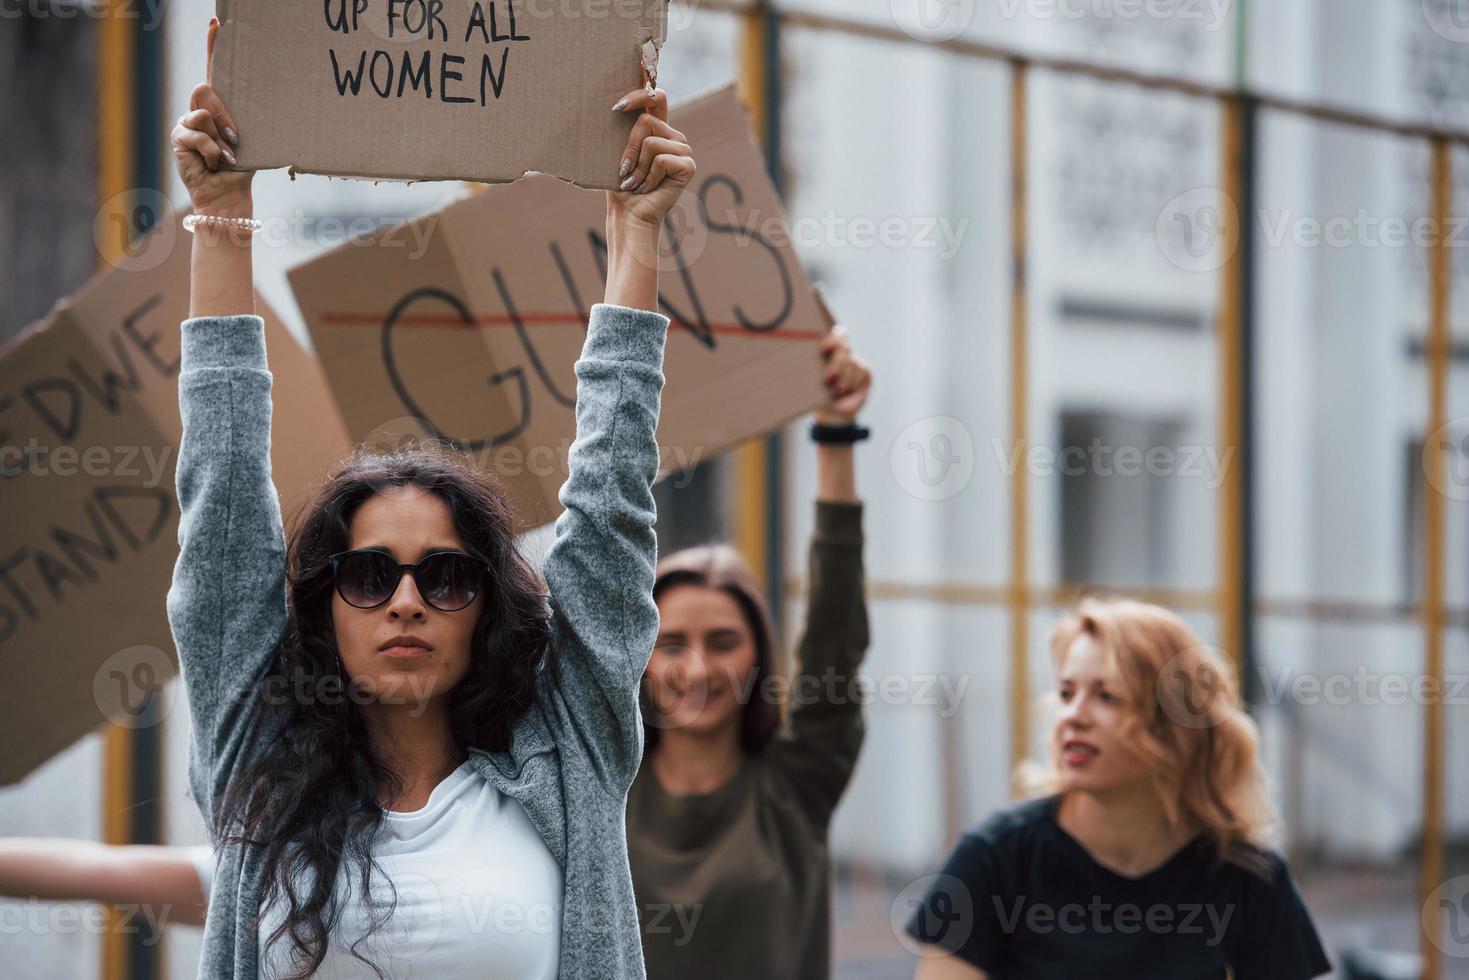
<point x="472" y="337"/>
<point x="435" y="89"/>
<point x="89" y="433"/>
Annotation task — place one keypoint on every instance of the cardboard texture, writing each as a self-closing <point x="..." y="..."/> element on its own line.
<point x="474" y="340"/>
<point x="89" y="431"/>
<point x="480" y="90"/>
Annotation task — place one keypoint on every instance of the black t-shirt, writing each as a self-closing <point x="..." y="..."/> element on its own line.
<point x="1021" y="899"/>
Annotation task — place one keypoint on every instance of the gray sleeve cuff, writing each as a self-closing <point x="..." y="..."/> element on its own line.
<point x="223" y="342"/>
<point x="619" y="333"/>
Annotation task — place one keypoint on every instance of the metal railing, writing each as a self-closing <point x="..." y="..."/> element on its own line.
<point x="1234" y="600"/>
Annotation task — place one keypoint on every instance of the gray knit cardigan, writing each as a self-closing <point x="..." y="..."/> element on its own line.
<point x="573" y="755"/>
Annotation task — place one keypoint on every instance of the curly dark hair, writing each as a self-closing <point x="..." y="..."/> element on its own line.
<point x="309" y="795"/>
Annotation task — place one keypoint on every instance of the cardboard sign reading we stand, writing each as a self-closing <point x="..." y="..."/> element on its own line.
<point x="466" y="324"/>
<point x="89" y="435"/>
<point x="480" y="90"/>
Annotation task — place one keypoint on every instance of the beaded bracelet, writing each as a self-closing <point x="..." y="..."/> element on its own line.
<point x="249" y="224"/>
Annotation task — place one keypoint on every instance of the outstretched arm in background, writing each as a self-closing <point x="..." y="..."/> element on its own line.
<point x="165" y="879"/>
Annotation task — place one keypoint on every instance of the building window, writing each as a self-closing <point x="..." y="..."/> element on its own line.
<point x="1117" y="510"/>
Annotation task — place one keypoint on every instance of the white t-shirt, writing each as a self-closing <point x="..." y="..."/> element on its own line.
<point x="478" y="894"/>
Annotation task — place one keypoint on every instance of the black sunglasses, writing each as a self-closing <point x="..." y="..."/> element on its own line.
<point x="447" y="580"/>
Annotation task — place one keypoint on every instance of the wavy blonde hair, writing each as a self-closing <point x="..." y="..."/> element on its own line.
<point x="1186" y="723"/>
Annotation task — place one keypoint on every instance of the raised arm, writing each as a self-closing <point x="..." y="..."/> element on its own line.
<point x="600" y="567"/>
<point x="166" y="879"/>
<point x="226" y="605"/>
<point x="818" y="752"/>
<point x="221" y="281"/>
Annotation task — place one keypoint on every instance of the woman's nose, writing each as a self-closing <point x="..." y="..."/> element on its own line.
<point x="406" y="602"/>
<point x="699" y="665"/>
<point x="1077" y="712"/>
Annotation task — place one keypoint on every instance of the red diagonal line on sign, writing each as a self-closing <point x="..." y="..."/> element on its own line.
<point x="540" y="320"/>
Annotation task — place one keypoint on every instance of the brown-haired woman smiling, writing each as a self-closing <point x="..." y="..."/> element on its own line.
<point x="727" y="821"/>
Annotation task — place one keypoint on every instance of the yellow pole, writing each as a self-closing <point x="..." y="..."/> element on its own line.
<point x="751" y="461"/>
<point x="1020" y="598"/>
<point x="114" y="125"/>
<point x="115" y="83"/>
<point x="1431" y="872"/>
<point x="1230" y="337"/>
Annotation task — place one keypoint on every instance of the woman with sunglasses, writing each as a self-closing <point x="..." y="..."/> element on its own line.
<point x="411" y="762"/>
<point x="1145" y="851"/>
<point x="727" y="821"/>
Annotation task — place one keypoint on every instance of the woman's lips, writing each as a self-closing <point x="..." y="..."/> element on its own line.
<point x="405" y="652"/>
<point x="1078" y="753"/>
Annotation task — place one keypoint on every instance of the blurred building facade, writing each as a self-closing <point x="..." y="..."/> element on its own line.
<point x="1123" y="297"/>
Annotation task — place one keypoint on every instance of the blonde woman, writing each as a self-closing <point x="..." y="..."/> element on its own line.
<point x="1145" y="853"/>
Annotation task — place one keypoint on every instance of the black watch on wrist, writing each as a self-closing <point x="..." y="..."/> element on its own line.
<point x="838" y="434"/>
